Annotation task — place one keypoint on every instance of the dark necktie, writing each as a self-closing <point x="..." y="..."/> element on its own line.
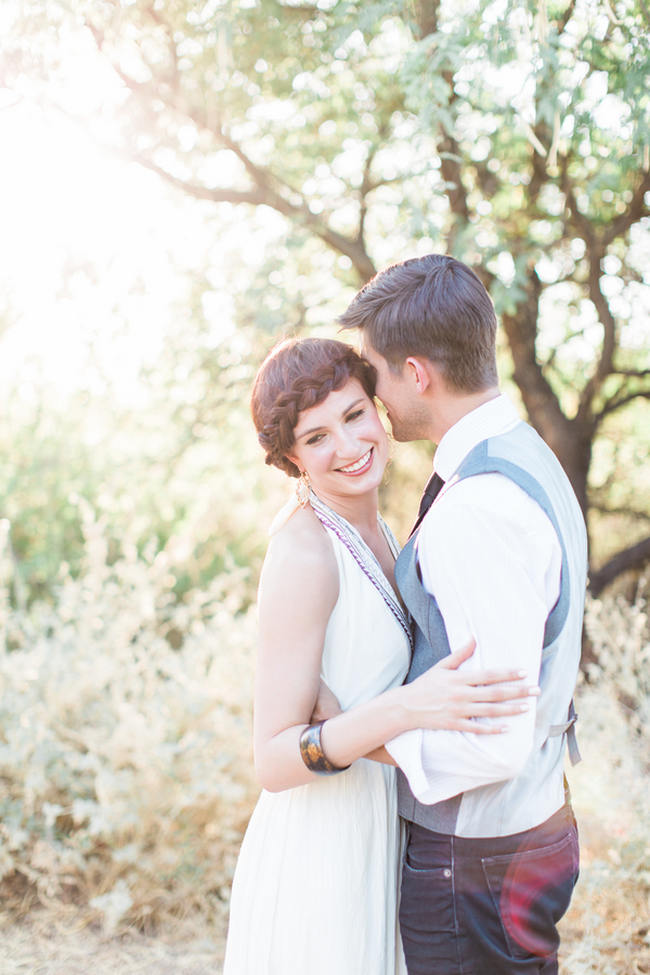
<point x="434" y="484"/>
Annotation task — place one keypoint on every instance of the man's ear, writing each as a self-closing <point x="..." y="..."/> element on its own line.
<point x="419" y="372"/>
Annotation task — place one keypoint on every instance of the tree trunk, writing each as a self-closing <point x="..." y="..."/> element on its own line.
<point x="572" y="446"/>
<point x="569" y="439"/>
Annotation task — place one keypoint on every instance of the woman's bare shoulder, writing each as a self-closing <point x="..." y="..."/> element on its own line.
<point x="301" y="551"/>
<point x="301" y="538"/>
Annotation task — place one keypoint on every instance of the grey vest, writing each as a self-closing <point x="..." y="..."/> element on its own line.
<point x="507" y="807"/>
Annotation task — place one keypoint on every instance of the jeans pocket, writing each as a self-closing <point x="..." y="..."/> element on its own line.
<point x="427" y="897"/>
<point x="531" y="890"/>
<point x="427" y="920"/>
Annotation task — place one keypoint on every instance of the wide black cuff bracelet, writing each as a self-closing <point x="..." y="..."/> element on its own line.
<point x="312" y="754"/>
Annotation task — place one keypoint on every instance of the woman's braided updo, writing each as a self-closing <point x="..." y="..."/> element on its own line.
<point x="296" y="375"/>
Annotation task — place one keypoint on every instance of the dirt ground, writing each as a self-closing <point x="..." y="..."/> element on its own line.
<point x="43" y="946"/>
<point x="604" y="933"/>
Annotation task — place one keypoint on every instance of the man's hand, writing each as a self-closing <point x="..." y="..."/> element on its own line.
<point x="446" y="697"/>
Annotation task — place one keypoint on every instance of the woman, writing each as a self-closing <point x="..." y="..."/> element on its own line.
<point x="315" y="889"/>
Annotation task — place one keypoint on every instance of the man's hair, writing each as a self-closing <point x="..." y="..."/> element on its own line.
<point x="296" y="375"/>
<point x="434" y="307"/>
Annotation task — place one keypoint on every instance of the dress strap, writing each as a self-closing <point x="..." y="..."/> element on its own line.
<point x="365" y="558"/>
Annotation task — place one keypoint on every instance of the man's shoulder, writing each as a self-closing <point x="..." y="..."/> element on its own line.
<point x="491" y="490"/>
<point x="483" y="507"/>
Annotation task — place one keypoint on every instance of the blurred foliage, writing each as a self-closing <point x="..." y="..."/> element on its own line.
<point x="124" y="734"/>
<point x="179" y="471"/>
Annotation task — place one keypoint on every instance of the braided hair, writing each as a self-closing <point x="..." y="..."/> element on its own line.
<point x="296" y="375"/>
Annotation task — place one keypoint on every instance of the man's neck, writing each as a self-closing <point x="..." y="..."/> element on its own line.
<point x="452" y="407"/>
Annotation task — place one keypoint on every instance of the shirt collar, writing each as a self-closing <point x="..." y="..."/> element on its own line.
<point x="495" y="417"/>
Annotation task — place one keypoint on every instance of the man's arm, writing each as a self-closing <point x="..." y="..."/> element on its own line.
<point x="492" y="559"/>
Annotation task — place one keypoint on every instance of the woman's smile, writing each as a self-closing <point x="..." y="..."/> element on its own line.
<point x="359" y="466"/>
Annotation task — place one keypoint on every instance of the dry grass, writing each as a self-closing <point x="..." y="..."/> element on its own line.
<point x="606" y="931"/>
<point x="51" y="945"/>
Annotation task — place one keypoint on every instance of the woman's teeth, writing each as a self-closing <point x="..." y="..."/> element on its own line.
<point x="358" y="464"/>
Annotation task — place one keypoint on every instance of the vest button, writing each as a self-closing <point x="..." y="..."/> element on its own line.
<point x="446" y="873"/>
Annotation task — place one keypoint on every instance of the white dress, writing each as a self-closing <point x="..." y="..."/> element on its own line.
<point x="316" y="886"/>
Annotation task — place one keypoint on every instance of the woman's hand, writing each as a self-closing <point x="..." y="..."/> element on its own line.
<point x="445" y="697"/>
<point x="326" y="706"/>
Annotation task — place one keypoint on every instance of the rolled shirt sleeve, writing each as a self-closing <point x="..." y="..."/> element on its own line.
<point x="491" y="557"/>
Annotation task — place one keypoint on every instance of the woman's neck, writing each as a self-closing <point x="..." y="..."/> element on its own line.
<point x="361" y="513"/>
<point x="360" y="510"/>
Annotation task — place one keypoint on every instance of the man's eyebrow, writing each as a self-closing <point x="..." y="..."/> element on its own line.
<point x="316" y="429"/>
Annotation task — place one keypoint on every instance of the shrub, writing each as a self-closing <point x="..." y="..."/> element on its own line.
<point x="606" y="931"/>
<point x="125" y="763"/>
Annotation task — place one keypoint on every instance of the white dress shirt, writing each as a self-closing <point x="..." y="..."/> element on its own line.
<point x="492" y="559"/>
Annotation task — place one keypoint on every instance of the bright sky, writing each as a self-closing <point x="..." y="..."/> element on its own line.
<point x="96" y="254"/>
<point x="90" y="253"/>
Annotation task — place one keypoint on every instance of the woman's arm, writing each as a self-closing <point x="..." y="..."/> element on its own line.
<point x="442" y="698"/>
<point x="298" y="591"/>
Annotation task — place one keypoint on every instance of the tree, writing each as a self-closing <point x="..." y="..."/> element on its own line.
<point x="561" y="170"/>
<point x="513" y="135"/>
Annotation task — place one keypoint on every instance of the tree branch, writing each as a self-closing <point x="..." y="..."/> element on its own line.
<point x="634" y="373"/>
<point x="632" y="558"/>
<point x="617" y="402"/>
<point x="566" y="17"/>
<point x="265" y="182"/>
<point x="365" y="188"/>
<point x="635" y="513"/>
<point x="256" y="197"/>
<point x="607" y="320"/>
<point x="576" y="219"/>
<point x="426" y="16"/>
<point x="634" y="212"/>
<point x="541" y="403"/>
<point x="349" y="247"/>
<point x="155" y="16"/>
<point x="596" y="251"/>
<point x="137" y="87"/>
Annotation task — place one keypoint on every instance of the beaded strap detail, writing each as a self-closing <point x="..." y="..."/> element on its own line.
<point x="364" y="557"/>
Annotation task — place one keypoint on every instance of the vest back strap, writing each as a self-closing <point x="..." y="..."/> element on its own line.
<point x="568" y="728"/>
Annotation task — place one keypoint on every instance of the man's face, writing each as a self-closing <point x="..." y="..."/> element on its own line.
<point x="397" y="393"/>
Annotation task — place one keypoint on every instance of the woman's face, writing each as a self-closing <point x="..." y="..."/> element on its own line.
<point x="341" y="443"/>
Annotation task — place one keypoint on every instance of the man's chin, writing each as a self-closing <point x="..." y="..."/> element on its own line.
<point x="406" y="433"/>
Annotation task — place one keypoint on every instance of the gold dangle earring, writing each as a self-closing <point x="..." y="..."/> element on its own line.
<point x="302" y="489"/>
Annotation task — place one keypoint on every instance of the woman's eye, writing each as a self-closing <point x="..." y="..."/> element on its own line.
<point x="355" y="415"/>
<point x="315" y="439"/>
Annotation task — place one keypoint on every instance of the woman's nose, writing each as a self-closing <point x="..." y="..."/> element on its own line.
<point x="347" y="445"/>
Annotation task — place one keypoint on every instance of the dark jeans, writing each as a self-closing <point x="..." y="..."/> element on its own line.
<point x="487" y="906"/>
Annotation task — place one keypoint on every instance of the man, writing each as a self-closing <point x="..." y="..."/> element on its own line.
<point x="499" y="554"/>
